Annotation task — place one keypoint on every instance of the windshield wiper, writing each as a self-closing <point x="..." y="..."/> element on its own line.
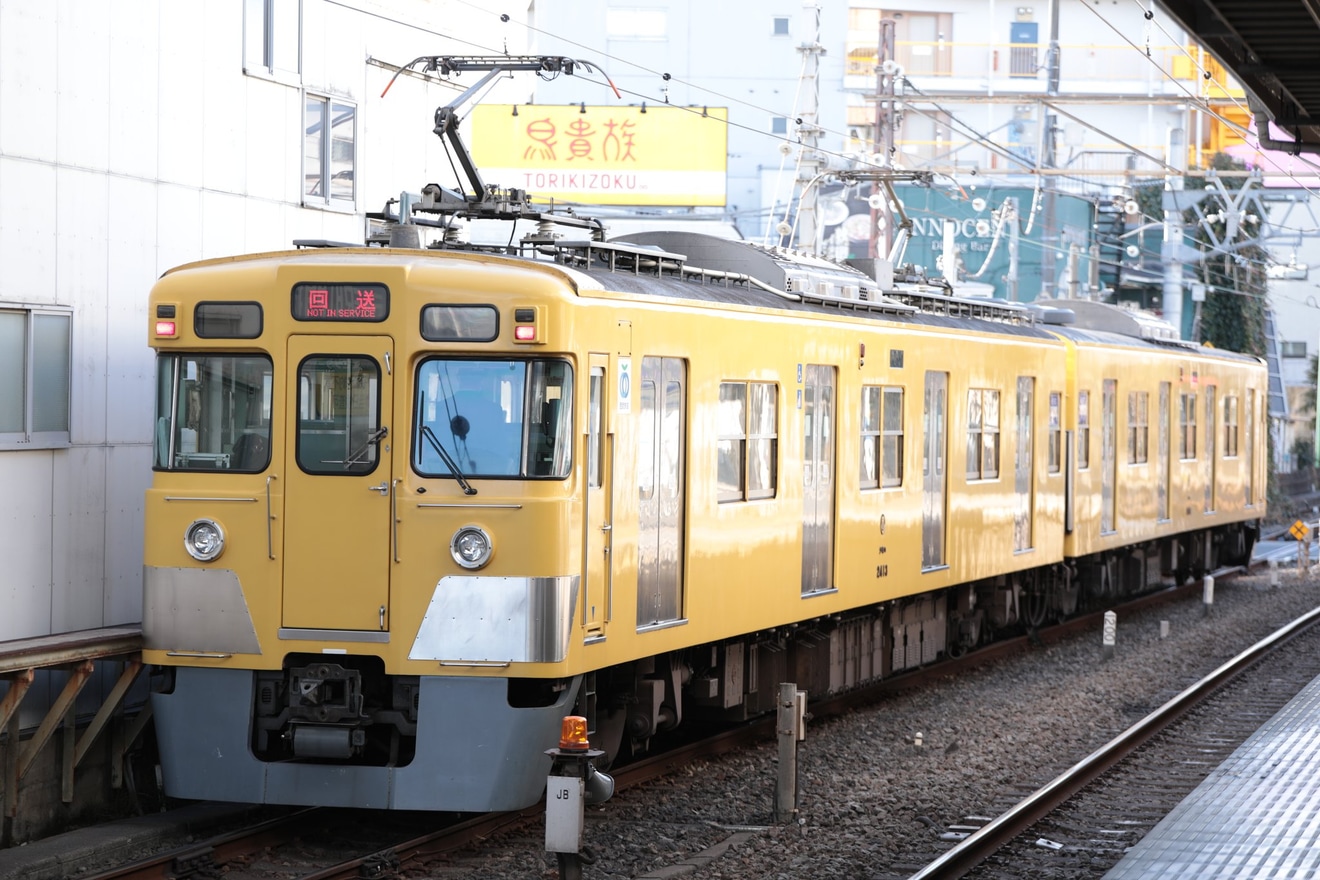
<point x="449" y="460"/>
<point x="374" y="437"/>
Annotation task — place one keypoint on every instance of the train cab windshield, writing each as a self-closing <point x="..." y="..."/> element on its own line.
<point x="212" y="412"/>
<point x="493" y="418"/>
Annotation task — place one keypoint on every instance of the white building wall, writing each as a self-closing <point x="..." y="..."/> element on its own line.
<point x="131" y="141"/>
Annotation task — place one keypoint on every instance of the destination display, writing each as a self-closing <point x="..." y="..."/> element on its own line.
<point x="313" y="301"/>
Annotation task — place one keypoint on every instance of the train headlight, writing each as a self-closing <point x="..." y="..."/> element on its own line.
<point x="204" y="540"/>
<point x="471" y="547"/>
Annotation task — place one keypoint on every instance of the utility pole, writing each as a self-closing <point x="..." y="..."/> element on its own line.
<point x="810" y="164"/>
<point x="1171" y="257"/>
<point x="1049" y="234"/>
<point x="1011" y="279"/>
<point x="886" y="69"/>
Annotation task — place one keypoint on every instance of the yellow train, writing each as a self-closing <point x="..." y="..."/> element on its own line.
<point x="411" y="507"/>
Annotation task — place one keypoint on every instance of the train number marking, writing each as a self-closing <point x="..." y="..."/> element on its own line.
<point x="882" y="571"/>
<point x="624" y="385"/>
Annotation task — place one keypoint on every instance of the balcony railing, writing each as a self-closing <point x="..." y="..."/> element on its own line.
<point x="1078" y="62"/>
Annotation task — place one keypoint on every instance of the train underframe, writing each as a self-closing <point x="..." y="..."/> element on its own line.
<point x="738" y="679"/>
<point x="338" y="730"/>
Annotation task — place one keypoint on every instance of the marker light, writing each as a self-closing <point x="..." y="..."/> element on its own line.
<point x="525" y="321"/>
<point x="204" y="540"/>
<point x="573" y="734"/>
<point x="471" y="547"/>
<point x="165" y="328"/>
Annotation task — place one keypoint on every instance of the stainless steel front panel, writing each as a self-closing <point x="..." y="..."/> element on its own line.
<point x="497" y="620"/>
<point x="818" y="479"/>
<point x="1022" y="465"/>
<point x="661" y="427"/>
<point x="934" y="420"/>
<point x="196" y="610"/>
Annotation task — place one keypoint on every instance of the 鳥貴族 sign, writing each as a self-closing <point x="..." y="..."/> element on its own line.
<point x="662" y="155"/>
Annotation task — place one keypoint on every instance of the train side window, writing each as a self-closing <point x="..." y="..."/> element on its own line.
<point x="1138" y="427"/>
<point x="882" y="437"/>
<point x="748" y="447"/>
<point x="1083" y="430"/>
<point x="892" y="424"/>
<point x="982" y="434"/>
<point x="1187" y="427"/>
<point x="1056" y="434"/>
<point x="870" y="468"/>
<point x="732" y="446"/>
<point x="1230" y="427"/>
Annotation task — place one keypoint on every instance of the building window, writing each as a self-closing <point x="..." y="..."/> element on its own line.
<point x="1187" y="426"/>
<point x="882" y="437"/>
<point x="635" y="24"/>
<point x="749" y="443"/>
<point x="35" y="365"/>
<point x="1138" y="427"/>
<point x="1292" y="349"/>
<point x="1056" y="433"/>
<point x="272" y="36"/>
<point x="329" y="151"/>
<point x="779" y="125"/>
<point x="779" y="27"/>
<point x="1230" y="427"/>
<point x="1083" y="430"/>
<point x="982" y="434"/>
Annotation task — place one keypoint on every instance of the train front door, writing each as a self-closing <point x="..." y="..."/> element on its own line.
<point x="338" y="485"/>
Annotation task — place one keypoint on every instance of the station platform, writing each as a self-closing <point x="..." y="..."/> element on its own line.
<point x="1256" y="815"/>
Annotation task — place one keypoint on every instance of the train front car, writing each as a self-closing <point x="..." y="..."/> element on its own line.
<point x="360" y="567"/>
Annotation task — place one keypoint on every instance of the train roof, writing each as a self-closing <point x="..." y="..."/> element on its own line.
<point x="703" y="268"/>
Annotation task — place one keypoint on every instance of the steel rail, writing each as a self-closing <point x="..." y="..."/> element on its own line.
<point x="465" y="833"/>
<point x="200" y="857"/>
<point x="997" y="833"/>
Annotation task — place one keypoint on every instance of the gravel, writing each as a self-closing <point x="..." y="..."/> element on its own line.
<point x="872" y="803"/>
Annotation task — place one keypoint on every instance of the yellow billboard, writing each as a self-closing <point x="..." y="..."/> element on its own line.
<point x="604" y="155"/>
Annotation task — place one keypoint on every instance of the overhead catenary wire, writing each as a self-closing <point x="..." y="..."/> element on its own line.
<point x="951" y="118"/>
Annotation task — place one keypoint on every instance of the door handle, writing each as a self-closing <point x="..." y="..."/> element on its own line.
<point x="383" y="488"/>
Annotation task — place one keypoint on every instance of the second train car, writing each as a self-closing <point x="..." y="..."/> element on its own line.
<point x="411" y="507"/>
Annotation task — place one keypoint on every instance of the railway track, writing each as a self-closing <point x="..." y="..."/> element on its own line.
<point x="295" y="844"/>
<point x="1072" y="828"/>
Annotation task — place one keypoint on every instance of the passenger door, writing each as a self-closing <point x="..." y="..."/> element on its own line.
<point x="934" y="415"/>
<point x="818" y="479"/>
<point x="660" y="489"/>
<point x="338" y="486"/>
